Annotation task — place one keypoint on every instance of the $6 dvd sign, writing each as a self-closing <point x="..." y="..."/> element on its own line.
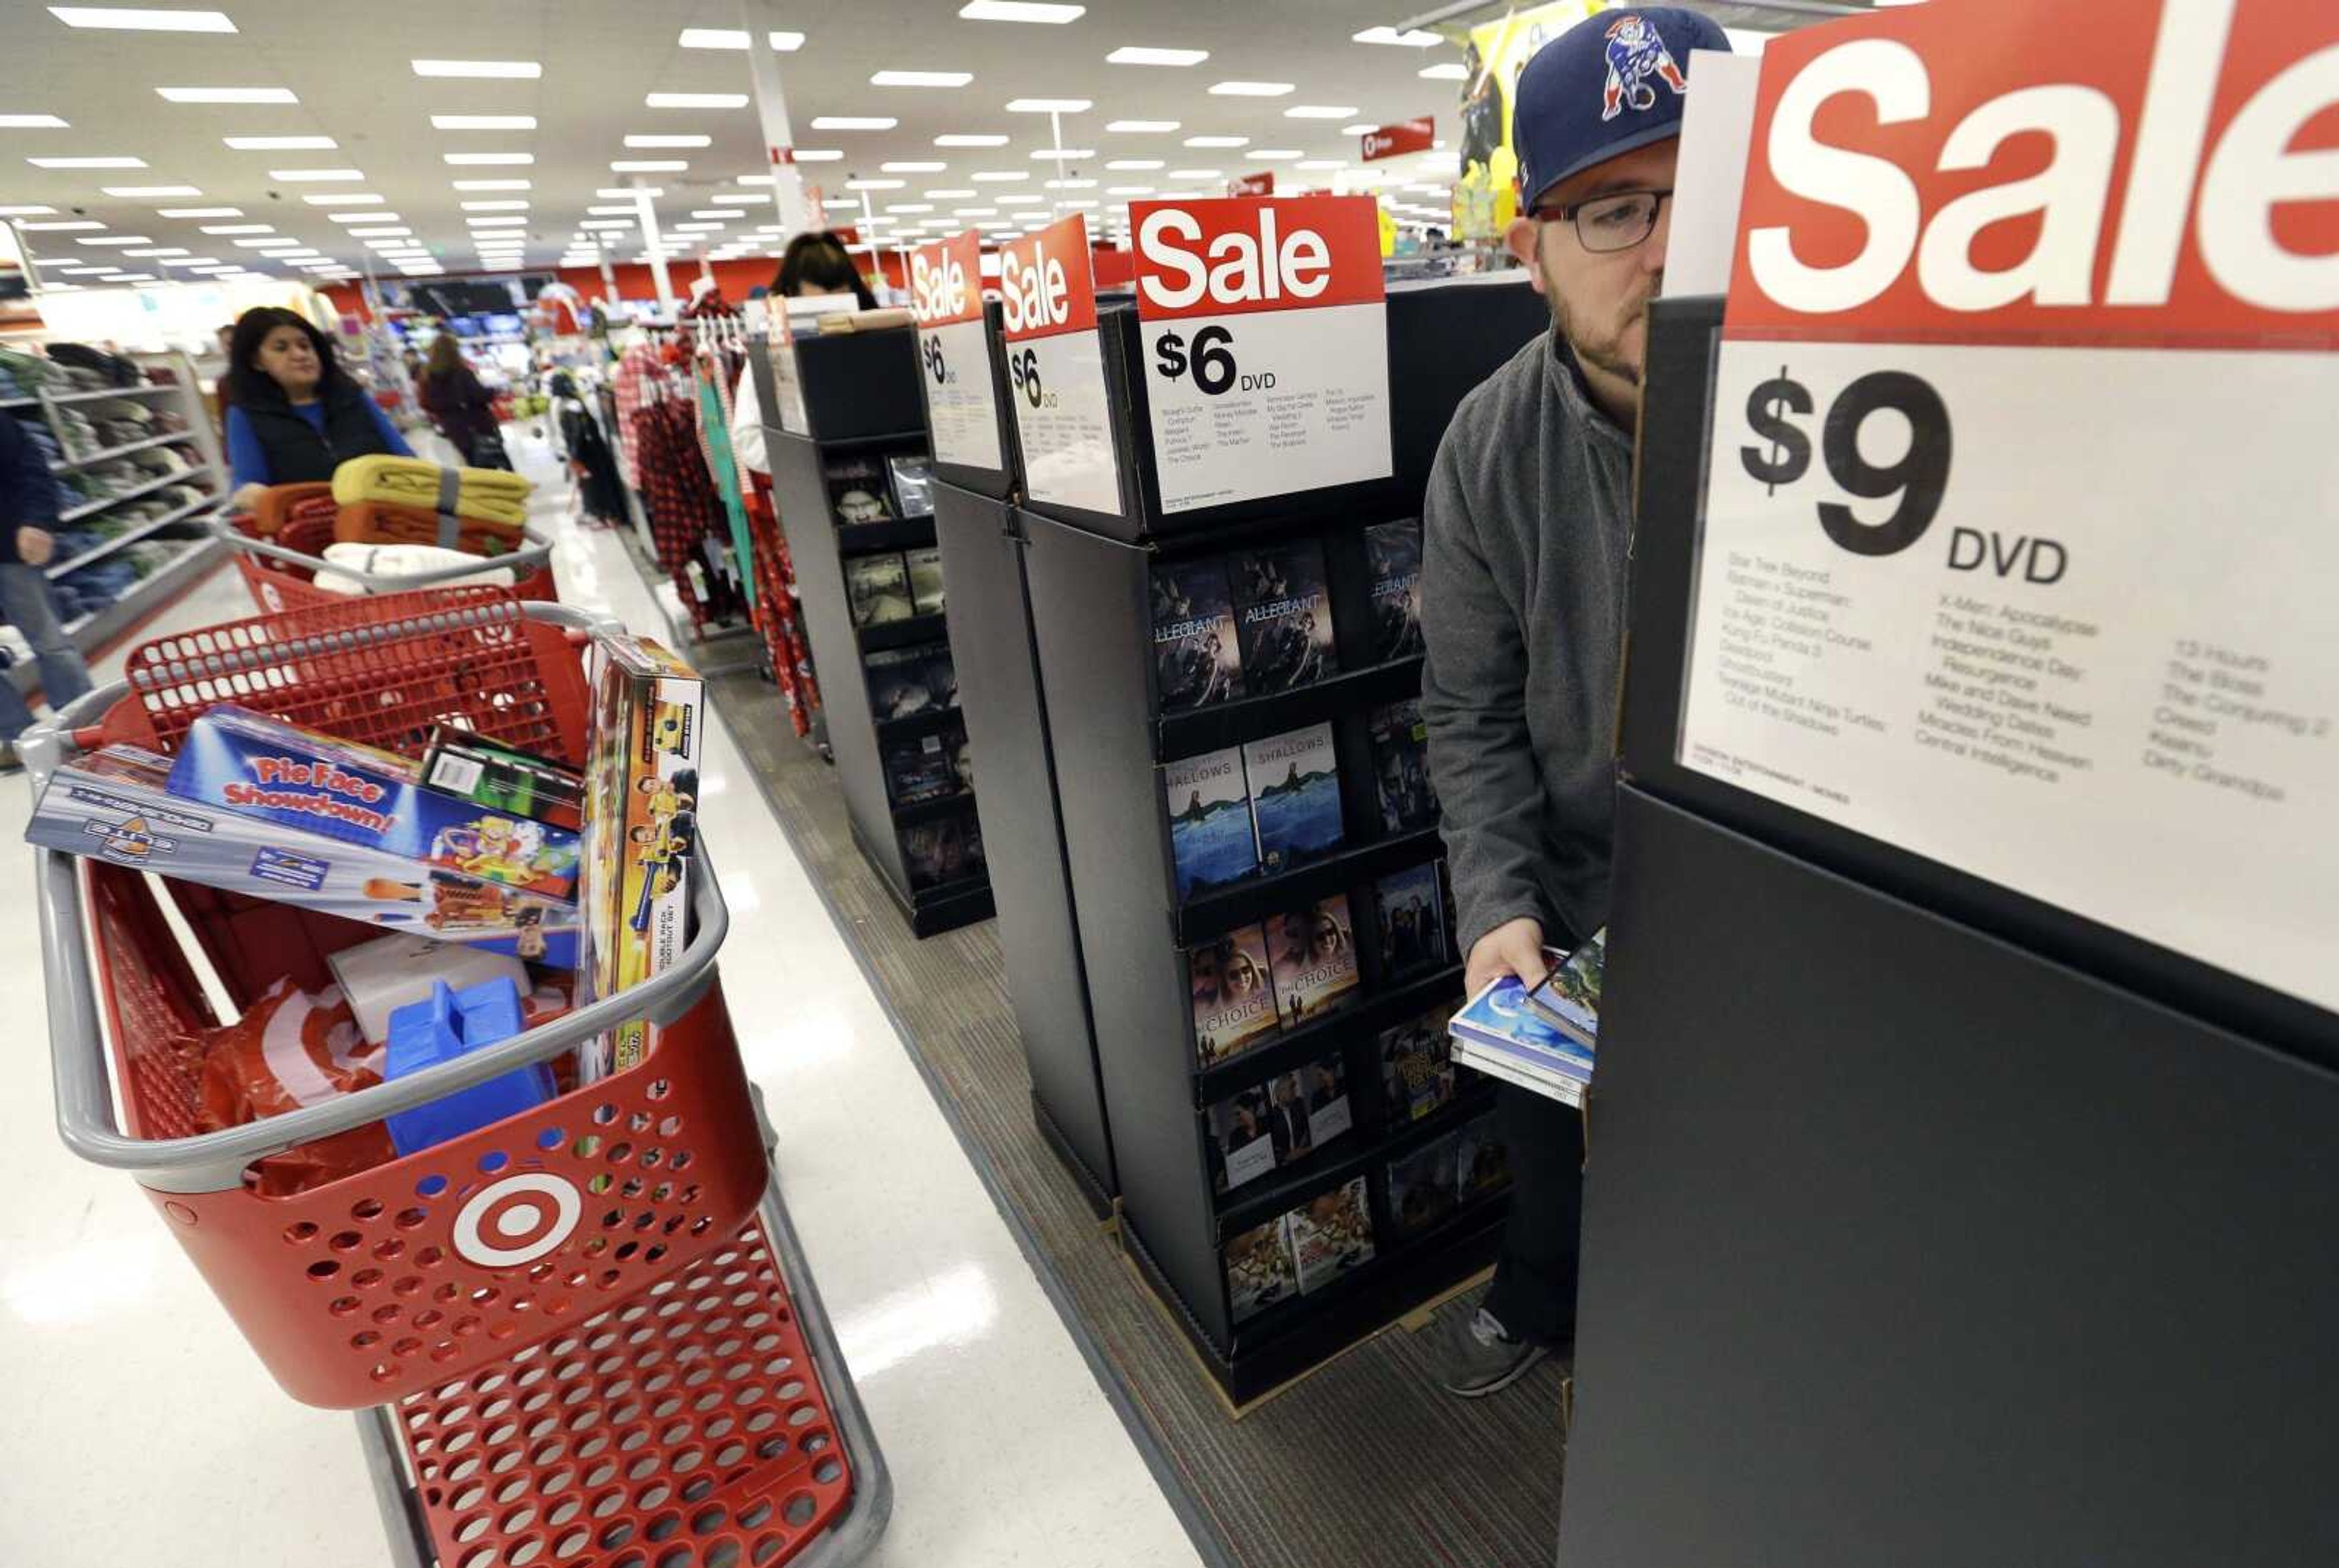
<point x="962" y="405"/>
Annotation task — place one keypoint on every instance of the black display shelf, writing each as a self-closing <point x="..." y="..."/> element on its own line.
<point x="904" y="633"/>
<point x="1445" y="337"/>
<point x="2003" y="1204"/>
<point x="1009" y="728"/>
<point x="850" y="382"/>
<point x="916" y="726"/>
<point x="1221" y="910"/>
<point x="1318" y="1037"/>
<point x="1256" y="1202"/>
<point x="877" y="538"/>
<point x="908" y="812"/>
<point x="1199" y="730"/>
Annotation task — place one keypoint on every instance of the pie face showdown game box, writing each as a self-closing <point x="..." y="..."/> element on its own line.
<point x="641" y="782"/>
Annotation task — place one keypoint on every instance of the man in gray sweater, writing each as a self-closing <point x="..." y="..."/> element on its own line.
<point x="1528" y="528"/>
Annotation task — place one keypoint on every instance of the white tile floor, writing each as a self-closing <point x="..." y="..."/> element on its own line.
<point x="136" y="1427"/>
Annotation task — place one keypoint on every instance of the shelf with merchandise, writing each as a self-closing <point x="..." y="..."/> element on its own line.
<point x="1363" y="1020"/>
<point x="132" y="536"/>
<point x="124" y="449"/>
<point x="1358" y="1153"/>
<point x="1194" y="731"/>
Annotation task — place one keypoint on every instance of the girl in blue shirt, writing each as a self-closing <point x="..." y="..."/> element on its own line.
<point x="293" y="414"/>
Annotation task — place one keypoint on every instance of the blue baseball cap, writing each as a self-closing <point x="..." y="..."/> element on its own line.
<point x="1606" y="85"/>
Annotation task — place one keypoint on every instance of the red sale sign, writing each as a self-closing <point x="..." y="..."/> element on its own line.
<point x="2173" y="179"/>
<point x="1046" y="284"/>
<point x="946" y="281"/>
<point x="1396" y="141"/>
<point x="1223" y="256"/>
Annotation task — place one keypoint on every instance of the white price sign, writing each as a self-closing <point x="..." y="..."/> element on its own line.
<point x="1266" y="344"/>
<point x="1055" y="367"/>
<point x="2018" y="548"/>
<point x="954" y="351"/>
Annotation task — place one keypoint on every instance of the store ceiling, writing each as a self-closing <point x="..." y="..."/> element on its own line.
<point x="349" y="67"/>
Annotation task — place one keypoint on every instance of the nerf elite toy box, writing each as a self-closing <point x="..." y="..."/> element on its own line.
<point x="263" y="768"/>
<point x="117" y="804"/>
<point x="641" y="784"/>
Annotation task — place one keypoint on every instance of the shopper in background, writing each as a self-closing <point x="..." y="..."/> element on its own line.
<point x="28" y="511"/>
<point x="813" y="264"/>
<point x="460" y="406"/>
<point x="1528" y="523"/>
<point x="293" y="414"/>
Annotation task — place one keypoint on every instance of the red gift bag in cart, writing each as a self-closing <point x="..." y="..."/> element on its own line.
<point x="587" y="1332"/>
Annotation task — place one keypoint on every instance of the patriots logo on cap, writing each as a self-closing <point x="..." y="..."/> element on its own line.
<point x="1636" y="52"/>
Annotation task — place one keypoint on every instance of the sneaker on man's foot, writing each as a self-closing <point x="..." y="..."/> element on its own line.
<point x="1475" y="1357"/>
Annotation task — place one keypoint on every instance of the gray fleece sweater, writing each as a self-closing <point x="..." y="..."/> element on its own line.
<point x="1527" y="528"/>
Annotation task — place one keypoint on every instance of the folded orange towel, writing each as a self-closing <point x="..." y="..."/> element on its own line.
<point x="273" y="509"/>
<point x="384" y="523"/>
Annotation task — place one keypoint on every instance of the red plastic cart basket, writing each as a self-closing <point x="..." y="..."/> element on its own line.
<point x="281" y="578"/>
<point x="590" y="1325"/>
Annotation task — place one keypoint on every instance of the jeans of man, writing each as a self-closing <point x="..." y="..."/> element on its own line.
<point x="1533" y="1293"/>
<point x="27" y="604"/>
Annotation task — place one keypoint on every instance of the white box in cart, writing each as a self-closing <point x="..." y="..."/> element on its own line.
<point x="381" y="977"/>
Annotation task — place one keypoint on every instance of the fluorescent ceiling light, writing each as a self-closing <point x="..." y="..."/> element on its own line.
<point x="118" y="240"/>
<point x="649" y="165"/>
<point x="1134" y="165"/>
<point x="1018" y="201"/>
<point x="958" y="194"/>
<point x="1129" y="189"/>
<point x="493" y="185"/>
<point x="693" y="228"/>
<point x="911" y="207"/>
<point x="1357" y="130"/>
<point x="1451" y="71"/>
<point x="909" y="167"/>
<point x="1071" y="184"/>
<point x="1318" y="112"/>
<point x="608" y="223"/>
<point x="1050" y="154"/>
<point x="497" y="223"/>
<point x="87" y="162"/>
<point x="853" y="123"/>
<point x="487" y="160"/>
<point x="257" y="244"/>
<point x="1137" y="54"/>
<point x="281" y="144"/>
<point x="628" y="193"/>
<point x="921" y="78"/>
<point x="31" y="212"/>
<point x="1049" y="106"/>
<point x="735" y="199"/>
<point x="32" y="122"/>
<point x="1415" y="39"/>
<point x="497" y="206"/>
<point x="1251" y="89"/>
<point x="372" y="234"/>
<point x="1196" y="174"/>
<point x="804" y="155"/>
<point x="202" y="211"/>
<point x="1275" y="154"/>
<point x="962" y="139"/>
<point x="483" y="122"/>
<point x="678" y="141"/>
<point x="140" y="19"/>
<point x="363" y="217"/>
<point x="1019" y="11"/>
<point x="346" y="199"/>
<point x="153" y="250"/>
<point x="875" y="185"/>
<point x="719" y="213"/>
<point x="133" y="192"/>
<point x="625" y="212"/>
<point x="67" y="225"/>
<point x="1218" y="141"/>
<point x="735" y="38"/>
<point x="527" y="69"/>
<point x="315" y="176"/>
<point x="228" y="95"/>
<point x="1001" y="176"/>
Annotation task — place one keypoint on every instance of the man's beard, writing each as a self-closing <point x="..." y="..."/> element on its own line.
<point x="1603" y="350"/>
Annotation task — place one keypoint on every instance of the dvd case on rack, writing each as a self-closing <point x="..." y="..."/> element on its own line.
<point x="1295" y="792"/>
<point x="1284" y="614"/>
<point x="1208" y="806"/>
<point x="1421" y="1186"/>
<point x="913" y="485"/>
<point x="1401" y="768"/>
<point x="1407" y="906"/>
<point x="1259" y="1270"/>
<point x="905" y="682"/>
<point x="1197" y="658"/>
<point x="944" y="850"/>
<point x="1314" y="962"/>
<point x="1322" y="1086"/>
<point x="878" y="590"/>
<point x="1330" y="1235"/>
<point x="927" y="768"/>
<point x="1392" y="557"/>
<point x="1482" y="1165"/>
<point x="1242" y="1145"/>
<point x="857" y="492"/>
<point x="1233" y="997"/>
<point x="925" y="581"/>
<point x="1416" y="1066"/>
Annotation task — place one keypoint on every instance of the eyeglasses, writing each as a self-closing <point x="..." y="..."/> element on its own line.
<point x="1610" y="223"/>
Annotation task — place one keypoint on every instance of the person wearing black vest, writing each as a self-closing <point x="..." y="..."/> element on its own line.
<point x="293" y="415"/>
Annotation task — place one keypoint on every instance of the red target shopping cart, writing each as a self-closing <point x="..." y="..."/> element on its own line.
<point x="586" y="1335"/>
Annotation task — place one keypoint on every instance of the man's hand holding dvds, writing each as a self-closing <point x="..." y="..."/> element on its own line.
<point x="1515" y="947"/>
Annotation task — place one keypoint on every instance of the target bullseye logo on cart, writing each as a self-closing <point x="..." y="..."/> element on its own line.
<point x="516" y="1220"/>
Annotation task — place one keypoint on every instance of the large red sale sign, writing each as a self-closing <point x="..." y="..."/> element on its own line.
<point x="2023" y="508"/>
<point x="1055" y="367"/>
<point x="953" y="351"/>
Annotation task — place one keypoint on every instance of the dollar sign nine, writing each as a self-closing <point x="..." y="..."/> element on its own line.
<point x="1786" y="455"/>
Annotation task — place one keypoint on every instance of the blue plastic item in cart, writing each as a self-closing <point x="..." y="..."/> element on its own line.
<point x="448" y="1025"/>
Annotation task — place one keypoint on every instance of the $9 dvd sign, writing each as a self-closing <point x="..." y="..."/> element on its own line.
<point x="1266" y="345"/>
<point x="2018" y="528"/>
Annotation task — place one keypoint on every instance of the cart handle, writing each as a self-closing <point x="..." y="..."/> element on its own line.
<point x="215" y="1161"/>
<point x="521" y="563"/>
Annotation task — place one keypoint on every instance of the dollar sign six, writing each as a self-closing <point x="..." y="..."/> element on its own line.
<point x="1920" y="478"/>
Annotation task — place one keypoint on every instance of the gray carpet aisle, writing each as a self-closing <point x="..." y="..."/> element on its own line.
<point x="1364" y="1464"/>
